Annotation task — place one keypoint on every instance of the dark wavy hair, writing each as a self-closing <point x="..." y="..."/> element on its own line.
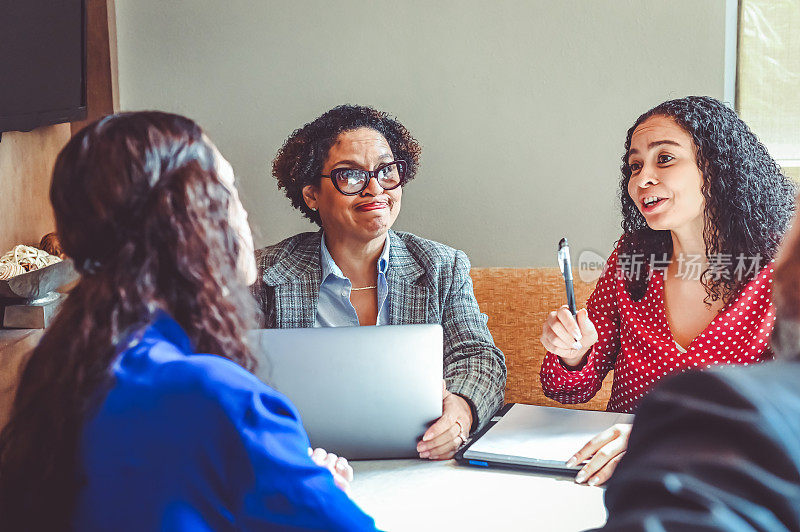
<point x="141" y="211"/>
<point x="299" y="162"/>
<point x="749" y="202"/>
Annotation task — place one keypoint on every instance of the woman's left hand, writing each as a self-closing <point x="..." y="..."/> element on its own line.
<point x="449" y="432"/>
<point x="604" y="452"/>
<point x="341" y="470"/>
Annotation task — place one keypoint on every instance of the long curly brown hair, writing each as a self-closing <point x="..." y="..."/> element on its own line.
<point x="141" y="211"/>
<point x="749" y="202"/>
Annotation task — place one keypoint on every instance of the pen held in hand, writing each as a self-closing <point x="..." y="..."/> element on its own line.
<point x="565" y="265"/>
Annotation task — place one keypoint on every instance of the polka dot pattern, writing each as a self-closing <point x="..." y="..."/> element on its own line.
<point x="635" y="341"/>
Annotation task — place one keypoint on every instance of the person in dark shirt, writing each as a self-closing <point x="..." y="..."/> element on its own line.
<point x="720" y="449"/>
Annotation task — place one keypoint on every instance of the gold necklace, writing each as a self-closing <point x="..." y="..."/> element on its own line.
<point x="363" y="288"/>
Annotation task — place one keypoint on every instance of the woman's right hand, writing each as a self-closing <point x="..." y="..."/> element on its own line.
<point x="567" y="337"/>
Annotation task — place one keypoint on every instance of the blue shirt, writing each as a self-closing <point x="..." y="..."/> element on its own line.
<point x="186" y="441"/>
<point x="334" y="308"/>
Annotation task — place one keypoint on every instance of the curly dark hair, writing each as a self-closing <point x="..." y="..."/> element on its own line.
<point x="299" y="162"/>
<point x="141" y="211"/>
<point x="749" y="202"/>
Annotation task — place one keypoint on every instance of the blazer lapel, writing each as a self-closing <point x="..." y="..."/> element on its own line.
<point x="408" y="296"/>
<point x="296" y="279"/>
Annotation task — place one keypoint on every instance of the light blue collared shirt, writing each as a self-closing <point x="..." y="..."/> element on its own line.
<point x="334" y="308"/>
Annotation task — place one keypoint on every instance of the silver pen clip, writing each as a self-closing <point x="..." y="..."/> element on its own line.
<point x="564" y="263"/>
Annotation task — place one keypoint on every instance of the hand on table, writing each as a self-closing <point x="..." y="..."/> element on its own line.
<point x="567" y="337"/>
<point x="449" y="432"/>
<point x="604" y="452"/>
<point x="342" y="471"/>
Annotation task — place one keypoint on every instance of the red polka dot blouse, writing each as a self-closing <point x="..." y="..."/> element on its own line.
<point x="635" y="341"/>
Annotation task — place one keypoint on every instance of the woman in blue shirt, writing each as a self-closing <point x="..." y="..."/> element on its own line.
<point x="119" y="422"/>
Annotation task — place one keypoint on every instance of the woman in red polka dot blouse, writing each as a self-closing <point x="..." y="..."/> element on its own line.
<point x="688" y="287"/>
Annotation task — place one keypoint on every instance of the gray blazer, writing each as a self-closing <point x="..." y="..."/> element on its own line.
<point x="428" y="283"/>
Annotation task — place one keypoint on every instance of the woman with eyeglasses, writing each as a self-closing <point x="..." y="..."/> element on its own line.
<point x="345" y="171"/>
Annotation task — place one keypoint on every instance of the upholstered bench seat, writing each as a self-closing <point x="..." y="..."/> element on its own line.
<point x="517" y="301"/>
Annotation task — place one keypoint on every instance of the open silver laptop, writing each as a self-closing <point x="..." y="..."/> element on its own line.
<point x="362" y="392"/>
<point x="539" y="438"/>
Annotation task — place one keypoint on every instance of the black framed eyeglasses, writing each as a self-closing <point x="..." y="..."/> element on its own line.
<point x="352" y="181"/>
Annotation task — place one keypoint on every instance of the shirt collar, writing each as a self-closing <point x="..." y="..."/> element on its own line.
<point x="329" y="267"/>
<point x="162" y="325"/>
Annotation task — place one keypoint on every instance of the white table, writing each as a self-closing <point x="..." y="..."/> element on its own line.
<point x="418" y="495"/>
<point x="444" y="496"/>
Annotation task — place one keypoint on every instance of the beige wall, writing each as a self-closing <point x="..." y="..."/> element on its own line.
<point x="522" y="106"/>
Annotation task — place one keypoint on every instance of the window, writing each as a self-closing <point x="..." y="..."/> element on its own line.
<point x="768" y="77"/>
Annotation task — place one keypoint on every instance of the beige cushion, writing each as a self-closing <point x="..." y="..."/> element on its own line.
<point x="517" y="301"/>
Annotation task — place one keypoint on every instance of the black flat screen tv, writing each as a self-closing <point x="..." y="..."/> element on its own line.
<point x="42" y="63"/>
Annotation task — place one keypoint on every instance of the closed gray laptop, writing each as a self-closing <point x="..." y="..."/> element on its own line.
<point x="362" y="392"/>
